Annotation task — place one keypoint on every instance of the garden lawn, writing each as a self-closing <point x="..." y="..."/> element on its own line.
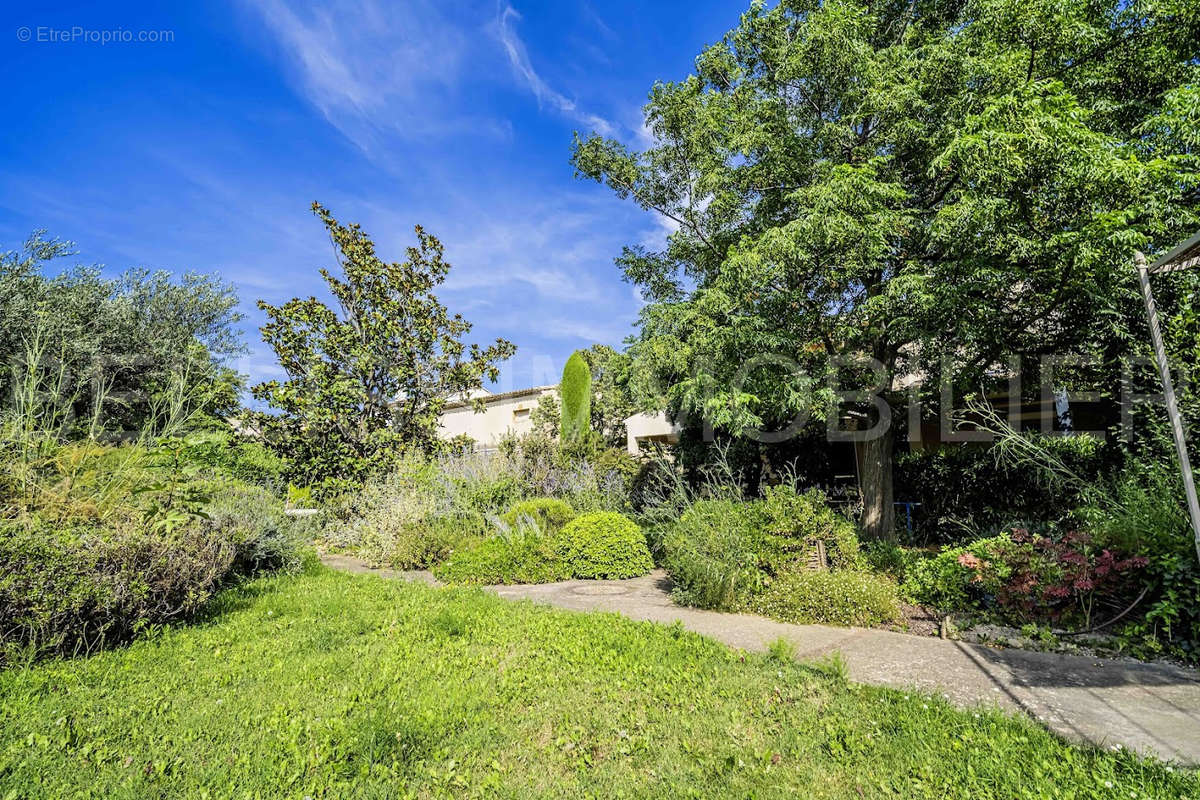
<point x="333" y="685"/>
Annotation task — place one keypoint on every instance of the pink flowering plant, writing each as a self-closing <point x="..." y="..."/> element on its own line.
<point x="1063" y="579"/>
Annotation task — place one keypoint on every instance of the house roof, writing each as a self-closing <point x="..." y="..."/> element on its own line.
<point x="492" y="398"/>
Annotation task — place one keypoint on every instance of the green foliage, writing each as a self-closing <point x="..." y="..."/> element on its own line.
<point x="547" y="514"/>
<point x="242" y="459"/>
<point x="1144" y="513"/>
<point x="100" y="541"/>
<point x="525" y="557"/>
<point x="712" y="553"/>
<point x="575" y="391"/>
<point x="113" y="354"/>
<point x="78" y="590"/>
<point x="846" y="597"/>
<point x="77" y="587"/>
<point x="945" y="583"/>
<point x="299" y="496"/>
<point x="399" y="519"/>
<point x="363" y="383"/>
<point x="963" y="491"/>
<point x="429" y="506"/>
<point x="888" y="558"/>
<point x="603" y="544"/>
<point x="722" y="552"/>
<point x="915" y="184"/>
<point x="796" y="522"/>
<point x="264" y="538"/>
<point x="382" y="688"/>
<point x="586" y="478"/>
<point x="611" y="401"/>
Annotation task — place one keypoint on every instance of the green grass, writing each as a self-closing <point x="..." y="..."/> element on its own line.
<point x="331" y="685"/>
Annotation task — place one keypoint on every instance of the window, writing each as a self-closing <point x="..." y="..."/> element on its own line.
<point x="520" y="414"/>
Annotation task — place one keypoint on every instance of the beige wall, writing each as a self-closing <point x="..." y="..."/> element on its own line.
<point x="501" y="415"/>
<point x="649" y="428"/>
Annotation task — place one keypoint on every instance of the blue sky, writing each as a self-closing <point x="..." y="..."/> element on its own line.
<point x="205" y="152"/>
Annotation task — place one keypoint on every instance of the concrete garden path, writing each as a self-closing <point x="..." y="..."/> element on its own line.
<point x="1151" y="708"/>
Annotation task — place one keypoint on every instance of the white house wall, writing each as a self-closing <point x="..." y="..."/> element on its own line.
<point x="501" y="416"/>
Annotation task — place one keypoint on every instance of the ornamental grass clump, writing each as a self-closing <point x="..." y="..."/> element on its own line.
<point x="547" y="514"/>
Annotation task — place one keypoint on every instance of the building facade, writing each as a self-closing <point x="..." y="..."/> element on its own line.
<point x="505" y="413"/>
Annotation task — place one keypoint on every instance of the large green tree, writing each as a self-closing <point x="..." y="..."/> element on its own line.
<point x="928" y="184"/>
<point x="372" y="375"/>
<point x="117" y="353"/>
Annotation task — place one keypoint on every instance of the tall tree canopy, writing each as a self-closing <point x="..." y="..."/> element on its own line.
<point x="374" y="374"/>
<point x="115" y="352"/>
<point x="928" y="183"/>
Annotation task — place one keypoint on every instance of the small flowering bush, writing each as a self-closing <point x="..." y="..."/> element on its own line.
<point x="1024" y="576"/>
<point x="1055" y="578"/>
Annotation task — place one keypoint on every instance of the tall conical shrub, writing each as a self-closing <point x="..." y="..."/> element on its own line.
<point x="575" y="392"/>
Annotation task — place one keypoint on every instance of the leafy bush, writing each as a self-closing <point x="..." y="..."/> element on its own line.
<point x="603" y="544"/>
<point x="300" y="496"/>
<point x="546" y="513"/>
<point x="392" y="520"/>
<point x="101" y="541"/>
<point x="721" y="552"/>
<point x="796" y="522"/>
<point x="264" y="538"/>
<point x="523" y="558"/>
<point x="75" y="591"/>
<point x="1145" y="515"/>
<point x="891" y="559"/>
<point x="844" y="597"/>
<point x="1023" y="577"/>
<point x="945" y="583"/>
<point x="242" y="459"/>
<point x="587" y="479"/>
<point x="711" y="553"/>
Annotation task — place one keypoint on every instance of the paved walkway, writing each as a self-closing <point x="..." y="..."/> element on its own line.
<point x="1151" y="708"/>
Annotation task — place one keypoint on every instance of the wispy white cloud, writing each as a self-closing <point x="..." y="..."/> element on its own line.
<point x="546" y="95"/>
<point x="656" y="237"/>
<point x="376" y="70"/>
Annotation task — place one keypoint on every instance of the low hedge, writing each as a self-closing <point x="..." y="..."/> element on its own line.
<point x="497" y="560"/>
<point x="603" y="544"/>
<point x="846" y="597"/>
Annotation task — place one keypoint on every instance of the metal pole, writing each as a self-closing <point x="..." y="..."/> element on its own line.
<point x="1164" y="371"/>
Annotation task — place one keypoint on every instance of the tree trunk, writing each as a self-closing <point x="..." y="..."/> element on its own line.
<point x="875" y="478"/>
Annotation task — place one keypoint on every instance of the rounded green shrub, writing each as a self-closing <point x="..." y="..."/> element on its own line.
<point x="830" y="598"/>
<point x="604" y="544"/>
<point x="547" y="513"/>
